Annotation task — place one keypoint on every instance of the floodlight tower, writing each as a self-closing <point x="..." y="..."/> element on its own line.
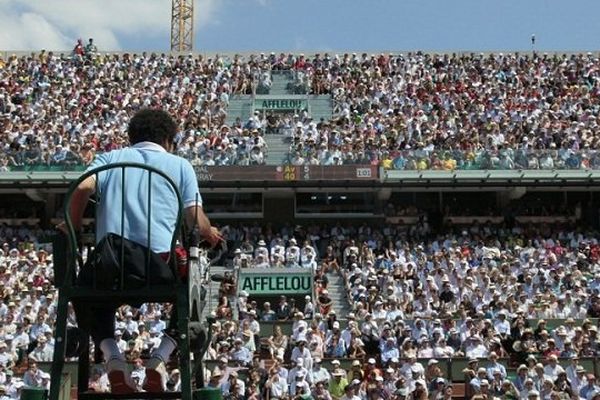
<point x="182" y="25"/>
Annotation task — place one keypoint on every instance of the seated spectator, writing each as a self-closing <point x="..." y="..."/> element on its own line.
<point x="278" y="342"/>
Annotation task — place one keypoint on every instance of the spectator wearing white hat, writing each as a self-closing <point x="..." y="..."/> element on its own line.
<point x="298" y="368"/>
<point x="277" y="248"/>
<point x="42" y="352"/>
<point x="153" y="340"/>
<point x="302" y="352"/>
<point x="299" y="386"/>
<point x="318" y="373"/>
<point x="309" y="307"/>
<point x="475" y="347"/>
<point x="522" y="376"/>
<point x="130" y="325"/>
<point x="240" y="354"/>
<point x="389" y="350"/>
<point x="261" y="249"/>
<point x="493" y="366"/>
<point x="276" y="385"/>
<point x="261" y="261"/>
<point x="501" y="324"/>
<point x="121" y="344"/>
<point x="533" y="394"/>
<point x="407" y="368"/>
<point x="7" y="358"/>
<point x="157" y="323"/>
<point x="553" y="368"/>
<point x="337" y="384"/>
<point x="237" y="259"/>
<point x="292" y="254"/>
<point x="251" y="321"/>
<point x="577" y="377"/>
<point x="242" y="303"/>
<point x="299" y="326"/>
<point x="481" y="376"/>
<point x="443" y="350"/>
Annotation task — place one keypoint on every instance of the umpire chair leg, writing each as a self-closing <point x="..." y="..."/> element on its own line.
<point x="60" y="343"/>
<point x="83" y="365"/>
<point x="183" y="312"/>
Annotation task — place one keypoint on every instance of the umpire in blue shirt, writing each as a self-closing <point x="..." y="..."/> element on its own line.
<point x="151" y="135"/>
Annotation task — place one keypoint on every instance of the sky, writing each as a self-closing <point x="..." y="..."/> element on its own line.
<point x="306" y="25"/>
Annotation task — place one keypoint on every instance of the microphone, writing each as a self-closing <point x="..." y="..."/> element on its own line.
<point x="217" y="278"/>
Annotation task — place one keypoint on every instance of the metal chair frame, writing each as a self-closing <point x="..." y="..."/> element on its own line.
<point x="177" y="293"/>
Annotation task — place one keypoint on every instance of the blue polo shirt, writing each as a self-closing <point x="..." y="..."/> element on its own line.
<point x="163" y="201"/>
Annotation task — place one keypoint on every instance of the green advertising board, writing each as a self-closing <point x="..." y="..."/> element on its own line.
<point x="271" y="282"/>
<point x="280" y="104"/>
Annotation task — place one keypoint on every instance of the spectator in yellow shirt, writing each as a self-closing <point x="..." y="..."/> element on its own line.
<point x="449" y="163"/>
<point x="337" y="384"/>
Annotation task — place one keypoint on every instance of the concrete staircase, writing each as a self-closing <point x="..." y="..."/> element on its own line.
<point x="279" y="148"/>
<point x="280" y="82"/>
<point x="337" y="292"/>
<point x="212" y="297"/>
<point x="239" y="106"/>
<point x="320" y="107"/>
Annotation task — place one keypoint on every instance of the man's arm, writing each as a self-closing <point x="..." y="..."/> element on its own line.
<point x="195" y="216"/>
<point x="79" y="201"/>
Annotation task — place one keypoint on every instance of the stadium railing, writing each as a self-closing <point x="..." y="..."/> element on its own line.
<point x="443" y="160"/>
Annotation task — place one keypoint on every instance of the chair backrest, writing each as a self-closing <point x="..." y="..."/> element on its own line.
<point x="146" y="178"/>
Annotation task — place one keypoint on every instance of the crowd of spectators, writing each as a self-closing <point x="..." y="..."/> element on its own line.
<point x="414" y="111"/>
<point x="486" y="293"/>
<point x="482" y="293"/>
<point x="467" y="111"/>
<point x="58" y="109"/>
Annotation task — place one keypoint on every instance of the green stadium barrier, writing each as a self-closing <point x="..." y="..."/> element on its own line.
<point x="207" y="394"/>
<point x="30" y="393"/>
<point x="452" y="368"/>
<point x="266" y="327"/>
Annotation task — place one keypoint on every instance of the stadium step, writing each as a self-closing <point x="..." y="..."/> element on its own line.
<point x="279" y="148"/>
<point x="212" y="297"/>
<point x="240" y="106"/>
<point x="320" y="107"/>
<point x="337" y="292"/>
<point x="279" y="84"/>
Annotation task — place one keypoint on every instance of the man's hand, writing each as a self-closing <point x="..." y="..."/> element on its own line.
<point x="213" y="237"/>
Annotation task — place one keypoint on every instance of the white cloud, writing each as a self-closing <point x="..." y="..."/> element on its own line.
<point x="56" y="24"/>
<point x="205" y="13"/>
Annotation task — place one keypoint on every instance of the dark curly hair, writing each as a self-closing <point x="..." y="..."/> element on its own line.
<point x="152" y="125"/>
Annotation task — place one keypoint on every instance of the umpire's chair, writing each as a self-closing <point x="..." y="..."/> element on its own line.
<point x="185" y="292"/>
